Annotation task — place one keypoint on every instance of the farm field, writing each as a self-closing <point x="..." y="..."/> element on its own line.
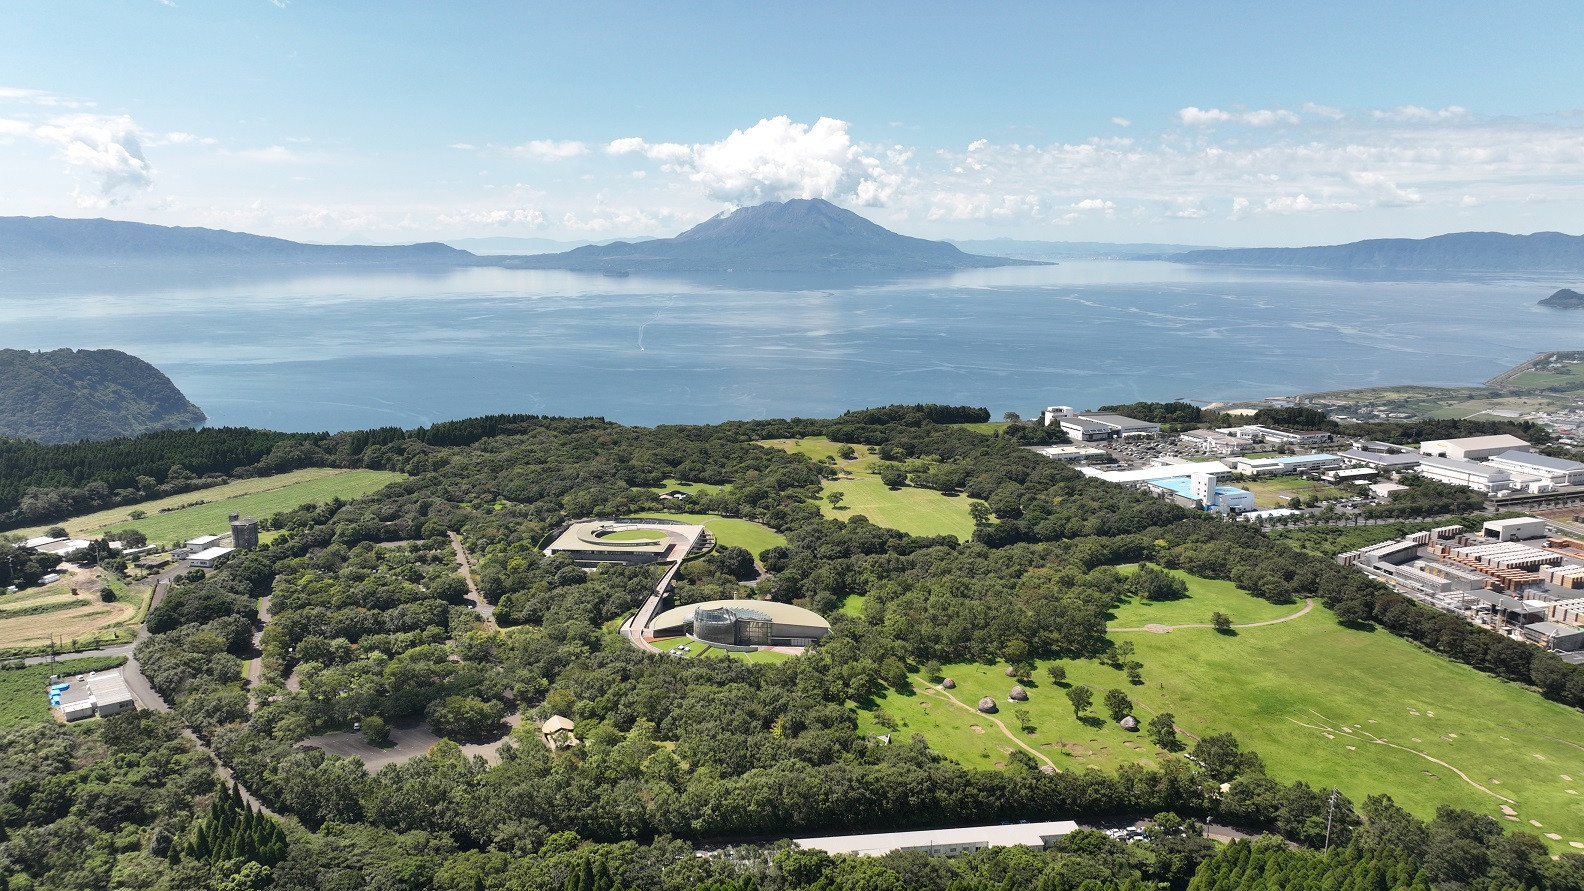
<point x="1276" y="491"/>
<point x="210" y="517"/>
<point x="256" y="497"/>
<point x="1205" y="596"/>
<point x="23" y="698"/>
<point x="732" y="532"/>
<point x="1365" y="711"/>
<point x="31" y="618"/>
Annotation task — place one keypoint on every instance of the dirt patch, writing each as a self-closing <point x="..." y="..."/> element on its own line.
<point x="1508" y="810"/>
<point x="1046" y="745"/>
<point x="1553" y="836"/>
<point x="976" y="728"/>
<point x="1434" y="777"/>
<point x="1534" y="823"/>
<point x="1352" y="748"/>
<point x="1000" y="764"/>
<point x="1155" y="628"/>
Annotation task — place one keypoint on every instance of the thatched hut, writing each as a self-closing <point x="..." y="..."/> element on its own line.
<point x="987" y="705"/>
<point x="1018" y="694"/>
<point x="949" y="684"/>
<point x="1129" y="723"/>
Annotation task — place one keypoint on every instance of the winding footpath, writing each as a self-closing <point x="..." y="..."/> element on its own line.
<point x="937" y="690"/>
<point x="1167" y="629"/>
<point x="465" y="569"/>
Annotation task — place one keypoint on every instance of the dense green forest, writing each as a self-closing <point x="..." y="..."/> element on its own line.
<point x="370" y="624"/>
<point x="71" y="395"/>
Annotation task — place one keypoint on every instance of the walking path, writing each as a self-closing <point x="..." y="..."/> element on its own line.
<point x="937" y="690"/>
<point x="255" y="666"/>
<point x="465" y="569"/>
<point x="1167" y="629"/>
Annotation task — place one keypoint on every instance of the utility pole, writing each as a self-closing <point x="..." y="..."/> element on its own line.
<point x="1331" y="810"/>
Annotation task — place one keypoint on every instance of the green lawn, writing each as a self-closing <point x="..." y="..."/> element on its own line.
<point x="24" y="693"/>
<point x="1312" y="698"/>
<point x="733" y="532"/>
<point x="853" y="605"/>
<point x="633" y="535"/>
<point x="989" y="427"/>
<point x="915" y="511"/>
<point x="1275" y="491"/>
<point x="690" y="488"/>
<point x="1205" y="596"/>
<point x="316" y="484"/>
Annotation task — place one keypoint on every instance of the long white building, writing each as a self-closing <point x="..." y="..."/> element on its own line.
<point x="1556" y="471"/>
<point x="957" y="840"/>
<point x="1458" y="472"/>
<point x="1473" y="448"/>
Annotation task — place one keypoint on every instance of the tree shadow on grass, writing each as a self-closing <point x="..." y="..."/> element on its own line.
<point x="1227" y="632"/>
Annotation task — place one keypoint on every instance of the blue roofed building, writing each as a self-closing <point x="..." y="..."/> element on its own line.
<point x="1201" y="491"/>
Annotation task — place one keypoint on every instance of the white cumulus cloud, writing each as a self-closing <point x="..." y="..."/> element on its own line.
<point x="1259" y="117"/>
<point x="105" y="151"/>
<point x="777" y="159"/>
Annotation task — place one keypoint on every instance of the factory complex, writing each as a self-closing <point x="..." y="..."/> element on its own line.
<point x="1513" y="576"/>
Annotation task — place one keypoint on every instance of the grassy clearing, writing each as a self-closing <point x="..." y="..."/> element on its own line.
<point x="690" y="488"/>
<point x="988" y="427"/>
<point x="732" y="532"/>
<point x="92" y="525"/>
<point x="24" y="695"/>
<point x="1276" y="491"/>
<point x="256" y="497"/>
<point x="210" y="517"/>
<point x="915" y="511"/>
<point x="853" y="605"/>
<point x="1205" y="596"/>
<point x="1312" y="698"/>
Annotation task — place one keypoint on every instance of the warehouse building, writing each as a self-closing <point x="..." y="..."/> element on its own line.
<point x="1461" y="472"/>
<point x="102" y="693"/>
<point x="209" y="558"/>
<point x="1556" y="471"/>
<point x="1096" y="427"/>
<point x="1515" y="529"/>
<point x="1382" y="461"/>
<point x="943" y="842"/>
<point x="1473" y="448"/>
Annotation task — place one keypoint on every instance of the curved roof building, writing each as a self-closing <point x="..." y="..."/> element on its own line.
<point x="742" y="624"/>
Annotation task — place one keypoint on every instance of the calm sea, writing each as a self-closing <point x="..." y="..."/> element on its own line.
<point x="351" y="350"/>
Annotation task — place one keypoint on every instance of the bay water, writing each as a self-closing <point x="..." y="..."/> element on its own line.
<point x="339" y="349"/>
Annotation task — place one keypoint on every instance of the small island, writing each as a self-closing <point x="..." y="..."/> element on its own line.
<point x="1566" y="298"/>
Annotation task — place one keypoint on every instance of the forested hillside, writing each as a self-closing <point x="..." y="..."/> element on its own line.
<point x="371" y="624"/>
<point x="69" y="395"/>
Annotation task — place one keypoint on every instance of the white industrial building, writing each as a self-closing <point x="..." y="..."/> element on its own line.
<point x="1211" y="442"/>
<point x="1256" y="432"/>
<point x="1283" y="464"/>
<point x="1460" y="472"/>
<point x="1555" y="471"/>
<point x="1149" y="474"/>
<point x="104" y="693"/>
<point x="1201" y="491"/>
<point x="1382" y="461"/>
<point x="1514" y="529"/>
<point x="1096" y="427"/>
<point x="204" y="541"/>
<point x="209" y="558"/>
<point x="947" y="842"/>
<point x="1473" y="448"/>
<point x="1067" y="453"/>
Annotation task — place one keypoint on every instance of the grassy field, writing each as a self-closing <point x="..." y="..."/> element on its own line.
<point x="1205" y="596"/>
<point x="915" y="511"/>
<point x="690" y="488"/>
<point x="33" y="617"/>
<point x="733" y="532"/>
<point x="1365" y="711"/>
<point x="210" y="517"/>
<point x="23" y="693"/>
<point x="852" y="605"/>
<point x="700" y="650"/>
<point x="255" y="497"/>
<point x="988" y="427"/>
<point x="1275" y="491"/>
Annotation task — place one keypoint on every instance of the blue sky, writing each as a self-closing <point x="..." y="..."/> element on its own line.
<point x="1190" y="123"/>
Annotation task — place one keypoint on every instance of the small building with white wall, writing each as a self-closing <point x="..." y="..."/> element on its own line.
<point x="1514" y="529"/>
<point x="1201" y="491"/>
<point x="209" y="558"/>
<point x="943" y="842"/>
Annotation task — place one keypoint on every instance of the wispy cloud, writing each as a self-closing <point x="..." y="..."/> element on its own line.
<point x="550" y="149"/>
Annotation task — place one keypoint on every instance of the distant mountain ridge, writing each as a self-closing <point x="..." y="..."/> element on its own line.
<point x="70" y="395"/>
<point x="516" y="246"/>
<point x="1459" y="251"/>
<point x="53" y="238"/>
<point x="801" y="235"/>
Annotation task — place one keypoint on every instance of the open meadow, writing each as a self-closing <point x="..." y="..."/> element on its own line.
<point x="167" y="521"/>
<point x="1277" y="491"/>
<point x="908" y="509"/>
<point x="1362" y="710"/>
<point x="733" y="532"/>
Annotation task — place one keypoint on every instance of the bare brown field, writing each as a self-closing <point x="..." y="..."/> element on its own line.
<point x="94" y="620"/>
